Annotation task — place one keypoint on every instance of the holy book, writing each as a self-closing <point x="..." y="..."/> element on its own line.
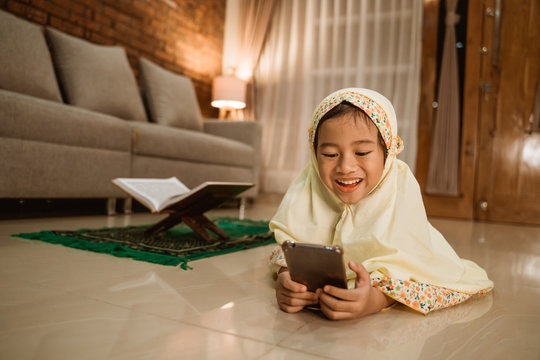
<point x="170" y="193"/>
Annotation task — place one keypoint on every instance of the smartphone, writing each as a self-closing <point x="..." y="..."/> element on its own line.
<point x="315" y="265"/>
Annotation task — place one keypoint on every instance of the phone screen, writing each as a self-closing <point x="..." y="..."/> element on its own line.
<point x="315" y="265"/>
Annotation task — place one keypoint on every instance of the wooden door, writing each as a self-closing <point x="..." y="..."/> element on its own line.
<point x="499" y="157"/>
<point x="508" y="170"/>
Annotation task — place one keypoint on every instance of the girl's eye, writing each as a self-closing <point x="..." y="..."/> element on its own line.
<point x="329" y="155"/>
<point x="363" y="153"/>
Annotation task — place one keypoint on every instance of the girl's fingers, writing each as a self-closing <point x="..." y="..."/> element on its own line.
<point x="332" y="302"/>
<point x="339" y="293"/>
<point x="292" y="304"/>
<point x="290" y="309"/>
<point x="293" y="294"/>
<point x="307" y="295"/>
<point x="288" y="304"/>
<point x="333" y="314"/>
<point x="294" y="286"/>
<point x="362" y="275"/>
<point x="296" y="301"/>
<point x="285" y="280"/>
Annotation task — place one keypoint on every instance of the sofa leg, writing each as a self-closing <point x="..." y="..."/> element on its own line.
<point x="127" y="206"/>
<point x="242" y="208"/>
<point x="111" y="206"/>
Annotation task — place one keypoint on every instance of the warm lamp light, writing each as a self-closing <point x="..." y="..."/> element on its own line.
<point x="228" y="93"/>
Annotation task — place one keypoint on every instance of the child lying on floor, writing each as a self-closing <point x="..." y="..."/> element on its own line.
<point x="356" y="194"/>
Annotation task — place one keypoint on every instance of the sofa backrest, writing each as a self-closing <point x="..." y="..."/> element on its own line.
<point x="54" y="65"/>
<point x="25" y="61"/>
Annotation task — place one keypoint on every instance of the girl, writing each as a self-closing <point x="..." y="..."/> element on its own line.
<point x="356" y="194"/>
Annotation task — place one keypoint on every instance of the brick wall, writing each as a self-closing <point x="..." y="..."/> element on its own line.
<point x="184" y="36"/>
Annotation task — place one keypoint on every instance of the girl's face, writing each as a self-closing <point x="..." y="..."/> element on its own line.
<point x="349" y="156"/>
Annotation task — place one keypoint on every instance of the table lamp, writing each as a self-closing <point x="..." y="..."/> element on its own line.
<point x="229" y="95"/>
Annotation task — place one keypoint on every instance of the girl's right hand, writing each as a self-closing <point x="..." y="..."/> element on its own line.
<point x="292" y="296"/>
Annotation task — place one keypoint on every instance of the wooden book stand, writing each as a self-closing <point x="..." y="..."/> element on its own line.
<point x="200" y="224"/>
<point x="190" y="210"/>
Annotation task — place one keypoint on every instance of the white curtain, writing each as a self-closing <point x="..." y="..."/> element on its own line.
<point x="254" y="17"/>
<point x="315" y="47"/>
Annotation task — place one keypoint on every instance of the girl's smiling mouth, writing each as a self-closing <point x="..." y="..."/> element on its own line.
<point x="348" y="185"/>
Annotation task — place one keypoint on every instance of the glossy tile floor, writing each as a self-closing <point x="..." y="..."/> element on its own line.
<point x="62" y="303"/>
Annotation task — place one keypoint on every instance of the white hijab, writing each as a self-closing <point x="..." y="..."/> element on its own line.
<point x="388" y="230"/>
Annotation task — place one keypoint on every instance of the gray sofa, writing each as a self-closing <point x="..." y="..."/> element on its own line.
<point x="72" y="118"/>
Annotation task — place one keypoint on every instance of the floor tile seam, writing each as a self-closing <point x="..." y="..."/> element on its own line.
<point x="283" y="347"/>
<point x="294" y="350"/>
<point x="226" y="333"/>
<point x="76" y="296"/>
<point x="144" y="312"/>
<point x="54" y="323"/>
<point x="150" y="313"/>
<point x="160" y="316"/>
<point x="184" y="322"/>
<point x="267" y="352"/>
<point x="49" y="324"/>
<point x="115" y="305"/>
<point x="190" y="321"/>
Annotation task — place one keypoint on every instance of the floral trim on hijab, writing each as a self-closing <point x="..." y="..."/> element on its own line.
<point x="394" y="145"/>
<point x="418" y="296"/>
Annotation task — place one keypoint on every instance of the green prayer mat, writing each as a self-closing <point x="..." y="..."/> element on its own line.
<point x="175" y="246"/>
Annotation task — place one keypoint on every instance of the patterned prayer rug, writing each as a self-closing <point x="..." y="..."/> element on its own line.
<point x="175" y="246"/>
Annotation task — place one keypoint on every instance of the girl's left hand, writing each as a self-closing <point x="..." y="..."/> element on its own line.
<point x="339" y="304"/>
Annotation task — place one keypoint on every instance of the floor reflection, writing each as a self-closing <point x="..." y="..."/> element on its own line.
<point x="66" y="303"/>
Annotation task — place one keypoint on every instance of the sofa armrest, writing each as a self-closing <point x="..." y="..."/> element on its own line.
<point x="247" y="132"/>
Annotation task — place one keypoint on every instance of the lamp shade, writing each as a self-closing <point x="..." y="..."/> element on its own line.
<point x="229" y="92"/>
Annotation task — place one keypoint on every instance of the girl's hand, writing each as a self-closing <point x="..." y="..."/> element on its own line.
<point x="292" y="296"/>
<point x="339" y="304"/>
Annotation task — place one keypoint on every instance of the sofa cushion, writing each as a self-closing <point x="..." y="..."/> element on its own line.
<point x="180" y="144"/>
<point x="25" y="62"/>
<point x="96" y="77"/>
<point x="170" y="97"/>
<point x="29" y="118"/>
<point x="35" y="169"/>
